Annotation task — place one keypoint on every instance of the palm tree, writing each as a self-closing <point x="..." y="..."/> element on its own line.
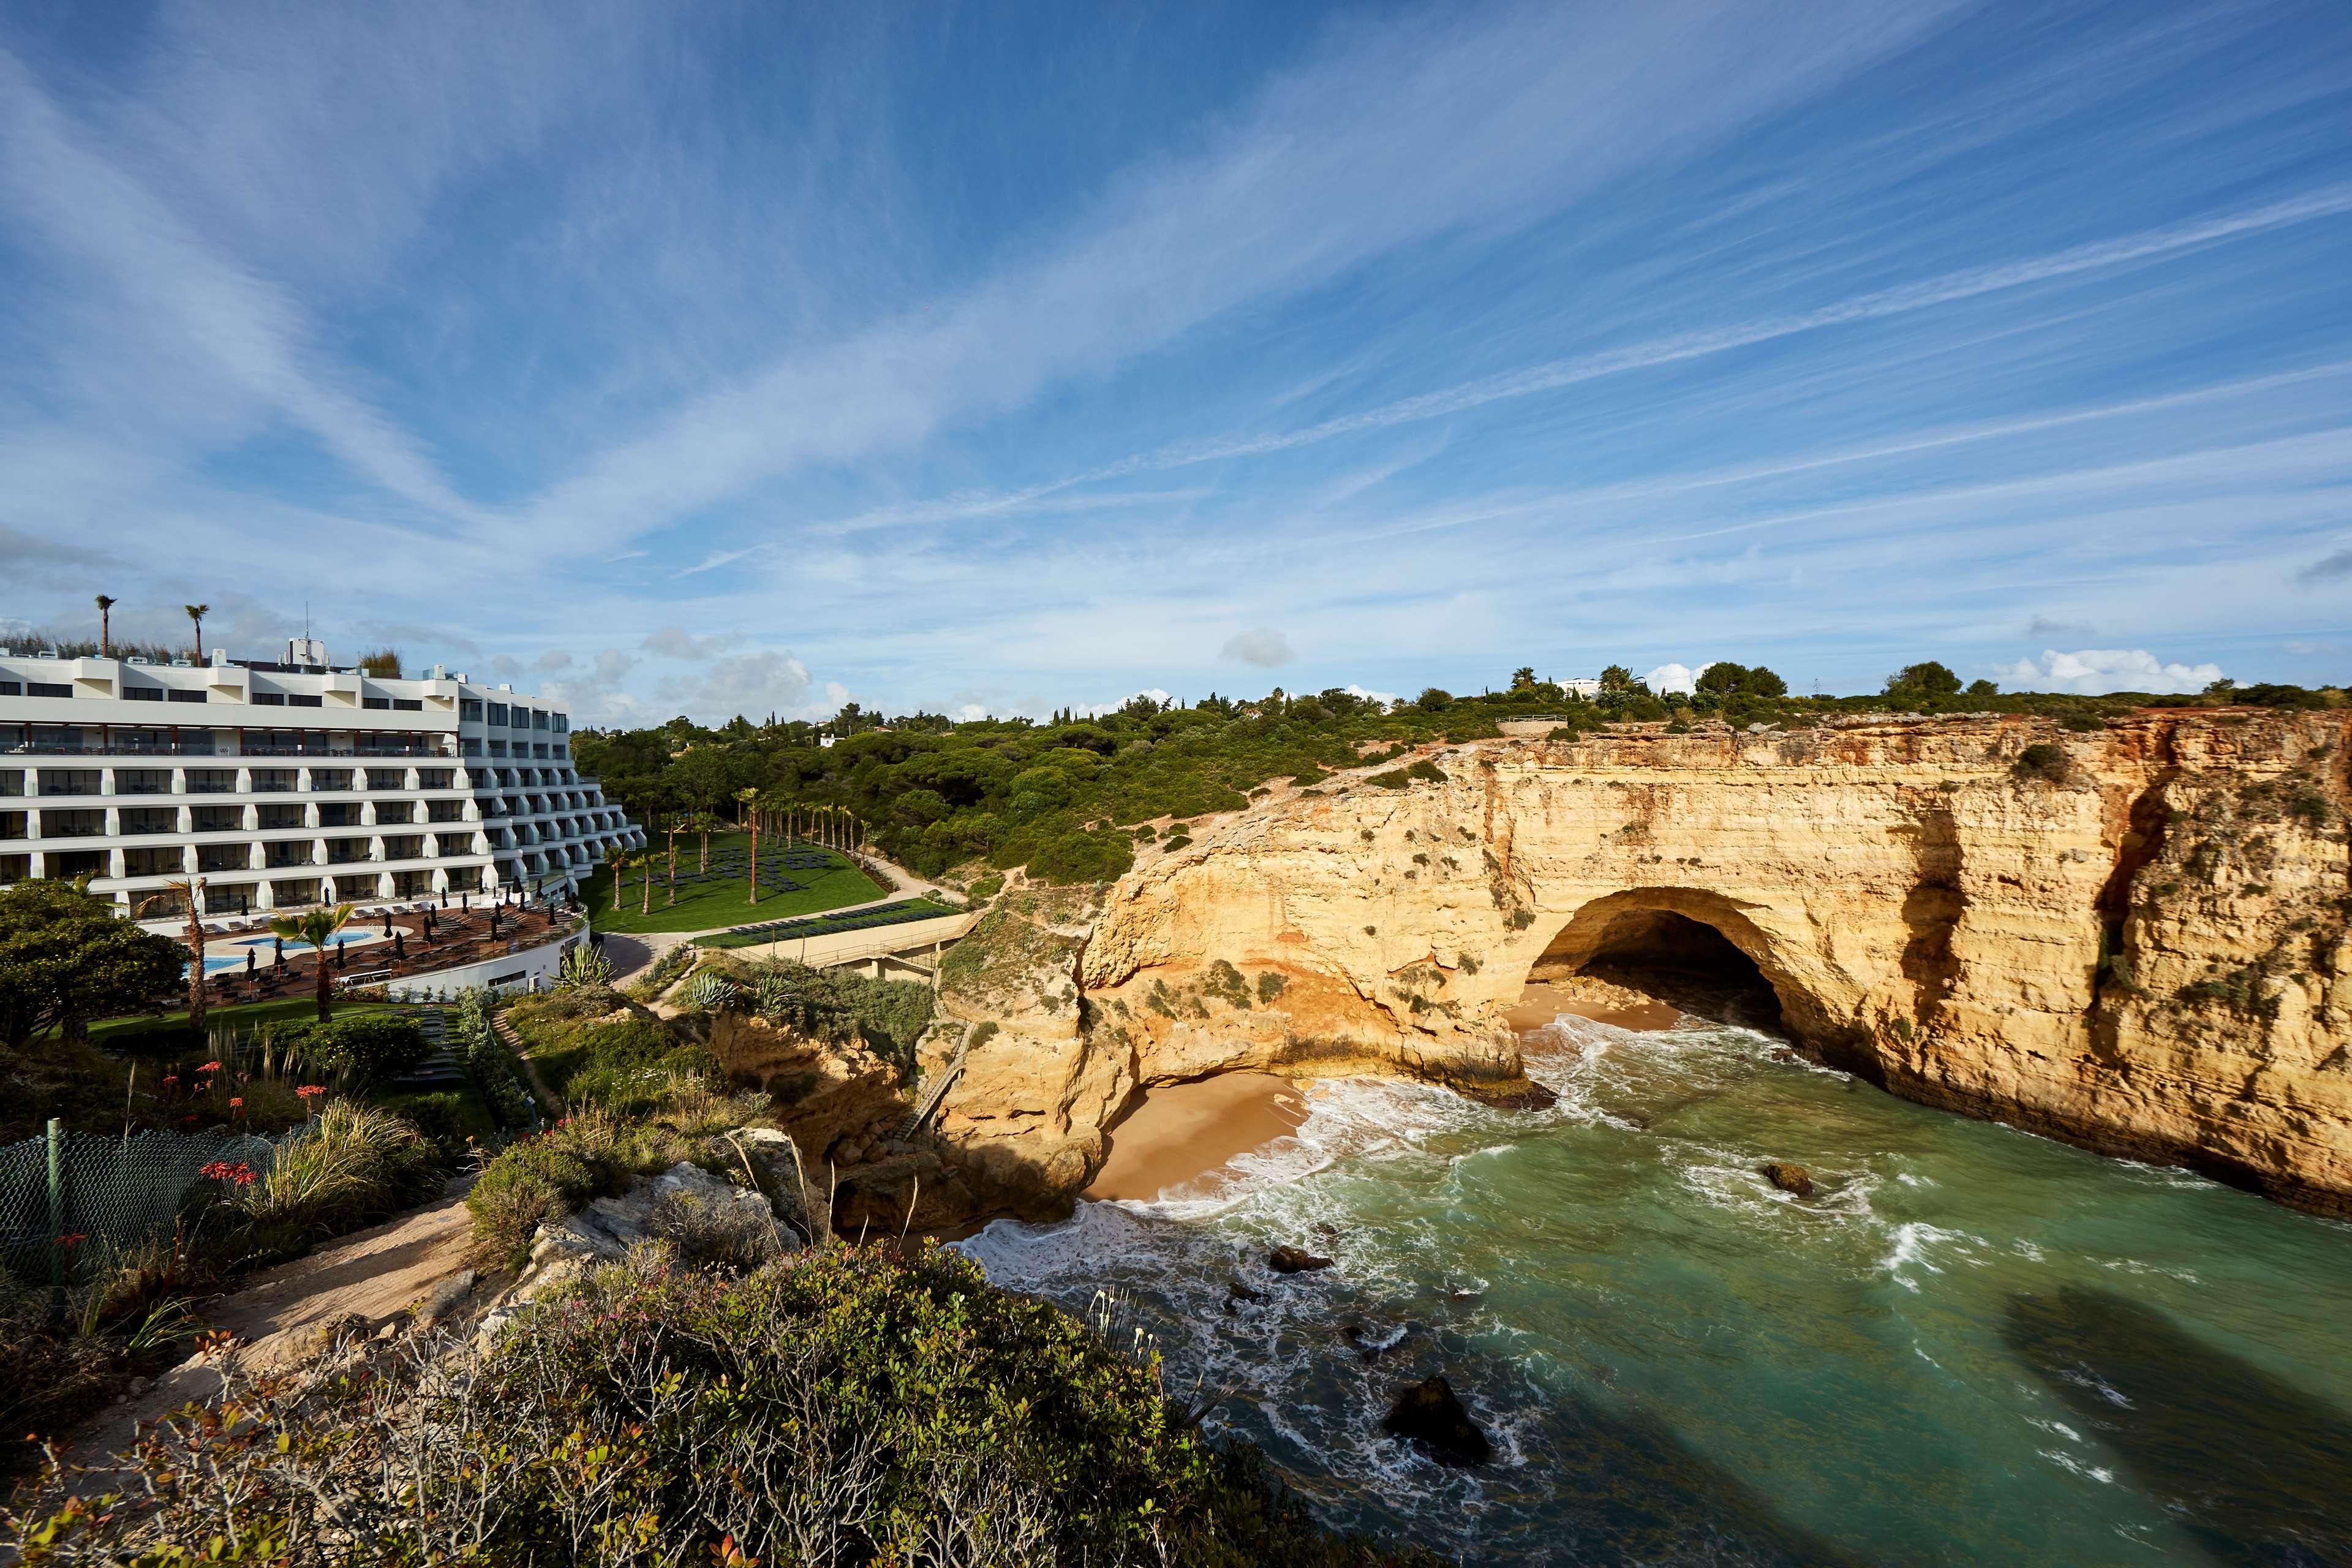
<point x="105" y="627"/>
<point x="190" y="892"/>
<point x="703" y="823"/>
<point x="647" y="860"/>
<point x="749" y="800"/>
<point x="317" y="927"/>
<point x="618" y="862"/>
<point x="197" y="613"/>
<point x="677" y="827"/>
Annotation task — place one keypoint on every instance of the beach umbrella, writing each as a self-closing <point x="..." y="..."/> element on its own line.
<point x="249" y="962"/>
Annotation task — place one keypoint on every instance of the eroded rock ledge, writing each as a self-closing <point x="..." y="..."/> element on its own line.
<point x="2147" y="955"/>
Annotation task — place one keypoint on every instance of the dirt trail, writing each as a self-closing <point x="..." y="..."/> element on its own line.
<point x="374" y="1274"/>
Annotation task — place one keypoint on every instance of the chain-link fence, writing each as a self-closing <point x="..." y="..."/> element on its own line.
<point x="68" y="1189"/>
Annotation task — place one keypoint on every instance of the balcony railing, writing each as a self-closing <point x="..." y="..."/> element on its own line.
<point x="114" y="749"/>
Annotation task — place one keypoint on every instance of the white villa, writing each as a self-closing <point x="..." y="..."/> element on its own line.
<point x="300" y="783"/>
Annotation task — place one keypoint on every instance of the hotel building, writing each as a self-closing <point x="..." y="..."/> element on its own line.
<point x="300" y="783"/>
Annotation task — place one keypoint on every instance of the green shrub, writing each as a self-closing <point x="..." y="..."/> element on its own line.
<point x="2082" y="723"/>
<point x="2042" y="760"/>
<point x="530" y="1181"/>
<point x="833" y="1005"/>
<point x="370" y="1046"/>
<point x="358" y="1164"/>
<point x="844" y="1407"/>
<point x="446" y="1119"/>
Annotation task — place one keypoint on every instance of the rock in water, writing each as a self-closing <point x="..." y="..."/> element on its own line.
<point x="1429" y="1413"/>
<point x="1296" y="1260"/>
<point x="1788" y="1178"/>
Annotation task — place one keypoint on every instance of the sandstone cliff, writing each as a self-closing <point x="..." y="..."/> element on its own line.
<point x="2136" y="942"/>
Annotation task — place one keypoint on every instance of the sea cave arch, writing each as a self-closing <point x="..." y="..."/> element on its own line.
<point x="1695" y="949"/>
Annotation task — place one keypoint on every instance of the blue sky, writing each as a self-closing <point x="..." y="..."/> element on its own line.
<point x="695" y="358"/>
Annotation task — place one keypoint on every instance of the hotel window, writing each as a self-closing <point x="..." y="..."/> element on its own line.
<point x="199" y="695"/>
<point x="469" y="747"/>
<point x="143" y="693"/>
<point x="539" y="721"/>
<point x="12" y="689"/>
<point x="377" y="702"/>
<point x="47" y="688"/>
<point x="408" y="704"/>
<point x="269" y="698"/>
<point x="304" y="700"/>
<point x="498" y="748"/>
<point x="498" y="714"/>
<point x="469" y="708"/>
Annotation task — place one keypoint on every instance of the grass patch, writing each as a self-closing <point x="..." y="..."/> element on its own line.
<point x="904" y="912"/>
<point x="722" y="901"/>
<point x="121" y="1034"/>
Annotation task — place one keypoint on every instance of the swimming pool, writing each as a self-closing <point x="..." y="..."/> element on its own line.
<point x="228" y="954"/>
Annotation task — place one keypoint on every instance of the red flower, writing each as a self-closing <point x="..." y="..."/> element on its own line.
<point x="236" y="1103"/>
<point x="224" y="1171"/>
<point x="312" y="1091"/>
<point x="209" y="1067"/>
<point x="73" y="1238"/>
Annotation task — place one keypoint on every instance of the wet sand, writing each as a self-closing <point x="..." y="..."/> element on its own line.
<point x="1182" y="1131"/>
<point x="1539" y="1003"/>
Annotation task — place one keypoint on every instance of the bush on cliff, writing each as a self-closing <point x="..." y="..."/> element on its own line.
<point x="840" y="1406"/>
<point x="2043" y="761"/>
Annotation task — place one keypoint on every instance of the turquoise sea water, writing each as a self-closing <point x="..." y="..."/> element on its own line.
<point x="1970" y="1345"/>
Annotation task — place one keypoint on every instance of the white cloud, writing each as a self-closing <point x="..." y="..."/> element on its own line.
<point x="1674" y="678"/>
<point x="753" y="684"/>
<point x="1095" y="710"/>
<point x="1264" y="647"/>
<point x="1367" y="694"/>
<point x="676" y="642"/>
<point x="2091" y="671"/>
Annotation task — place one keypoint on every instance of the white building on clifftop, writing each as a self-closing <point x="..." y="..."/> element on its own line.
<point x="297" y="783"/>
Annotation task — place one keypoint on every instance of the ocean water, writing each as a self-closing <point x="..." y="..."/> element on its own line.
<point x="1970" y="1345"/>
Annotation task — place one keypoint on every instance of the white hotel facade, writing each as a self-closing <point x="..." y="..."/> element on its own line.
<point x="288" y="783"/>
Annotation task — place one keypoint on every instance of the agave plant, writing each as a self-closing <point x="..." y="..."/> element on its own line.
<point x="707" y="992"/>
<point x="583" y="969"/>
<point x="776" y="997"/>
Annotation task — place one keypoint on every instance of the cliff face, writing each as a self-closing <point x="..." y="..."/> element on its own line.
<point x="2139" y="945"/>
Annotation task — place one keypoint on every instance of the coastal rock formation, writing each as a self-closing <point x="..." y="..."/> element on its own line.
<point x="1024" y="1123"/>
<point x="2134" y="938"/>
<point x="1430" y="1414"/>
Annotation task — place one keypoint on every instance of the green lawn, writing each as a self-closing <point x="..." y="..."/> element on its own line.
<point x="707" y="906"/>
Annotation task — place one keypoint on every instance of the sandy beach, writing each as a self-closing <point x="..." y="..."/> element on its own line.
<point x="1185" y="1130"/>
<point x="1541" y="1003"/>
